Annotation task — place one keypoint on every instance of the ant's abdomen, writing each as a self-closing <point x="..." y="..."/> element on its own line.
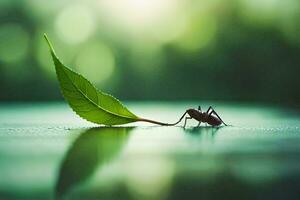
<point x="214" y="121"/>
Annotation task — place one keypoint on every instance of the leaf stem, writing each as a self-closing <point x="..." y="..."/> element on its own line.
<point x="156" y="122"/>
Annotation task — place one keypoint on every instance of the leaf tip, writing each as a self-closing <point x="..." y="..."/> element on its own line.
<point x="48" y="42"/>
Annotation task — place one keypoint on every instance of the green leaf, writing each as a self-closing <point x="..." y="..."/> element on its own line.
<point x="88" y="102"/>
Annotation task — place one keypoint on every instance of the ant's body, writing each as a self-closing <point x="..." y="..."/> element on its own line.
<point x="210" y="117"/>
<point x="206" y="117"/>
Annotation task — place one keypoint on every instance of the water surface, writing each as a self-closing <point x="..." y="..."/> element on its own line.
<point x="47" y="152"/>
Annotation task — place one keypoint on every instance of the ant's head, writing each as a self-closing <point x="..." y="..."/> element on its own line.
<point x="193" y="112"/>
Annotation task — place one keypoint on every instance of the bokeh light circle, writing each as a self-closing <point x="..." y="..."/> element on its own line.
<point x="75" y="24"/>
<point x="96" y="61"/>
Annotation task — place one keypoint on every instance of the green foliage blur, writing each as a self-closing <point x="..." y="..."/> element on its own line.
<point x="237" y="50"/>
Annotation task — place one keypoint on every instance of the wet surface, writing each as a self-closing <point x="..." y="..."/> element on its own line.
<point x="47" y="152"/>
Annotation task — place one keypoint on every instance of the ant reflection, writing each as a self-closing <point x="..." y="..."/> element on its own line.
<point x="94" y="148"/>
<point x="207" y="130"/>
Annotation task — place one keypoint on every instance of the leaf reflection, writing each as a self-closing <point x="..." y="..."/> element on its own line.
<point x="92" y="149"/>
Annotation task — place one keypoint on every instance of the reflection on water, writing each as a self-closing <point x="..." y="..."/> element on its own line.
<point x="207" y="130"/>
<point x="170" y="163"/>
<point x="94" y="148"/>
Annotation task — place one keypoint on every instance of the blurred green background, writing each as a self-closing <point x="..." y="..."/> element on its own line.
<point x="237" y="50"/>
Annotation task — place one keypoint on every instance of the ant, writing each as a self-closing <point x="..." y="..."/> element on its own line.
<point x="206" y="117"/>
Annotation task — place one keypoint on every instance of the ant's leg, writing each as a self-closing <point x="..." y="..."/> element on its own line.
<point x="199" y="108"/>
<point x="208" y="112"/>
<point x="209" y="108"/>
<point x="179" y="119"/>
<point x="214" y="112"/>
<point x="186" y="118"/>
<point x="199" y="124"/>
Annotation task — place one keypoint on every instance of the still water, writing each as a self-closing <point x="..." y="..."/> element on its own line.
<point x="47" y="152"/>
